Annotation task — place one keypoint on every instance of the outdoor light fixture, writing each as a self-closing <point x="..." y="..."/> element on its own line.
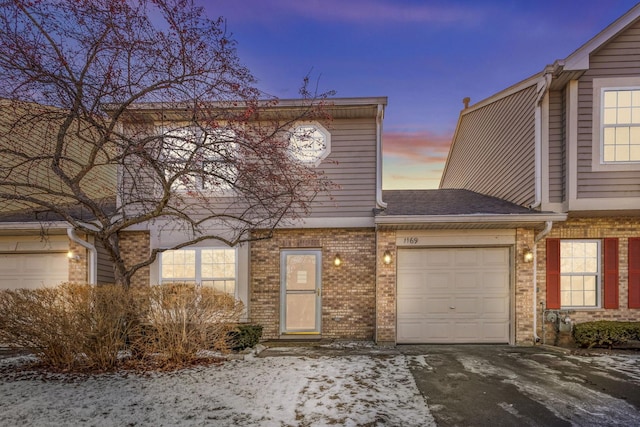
<point x="386" y="258"/>
<point x="527" y="255"/>
<point x="73" y="256"/>
<point x="337" y="260"/>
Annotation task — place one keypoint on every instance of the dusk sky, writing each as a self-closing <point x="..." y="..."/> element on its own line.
<point x="425" y="56"/>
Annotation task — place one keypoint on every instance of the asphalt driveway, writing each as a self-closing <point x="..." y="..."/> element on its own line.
<point x="534" y="386"/>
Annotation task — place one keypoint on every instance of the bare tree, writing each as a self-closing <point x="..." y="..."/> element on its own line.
<point x="119" y="113"/>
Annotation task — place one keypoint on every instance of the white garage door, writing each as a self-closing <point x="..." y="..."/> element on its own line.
<point x="453" y="295"/>
<point x="30" y="262"/>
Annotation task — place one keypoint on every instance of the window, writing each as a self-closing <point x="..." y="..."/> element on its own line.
<point x="616" y="124"/>
<point x="199" y="159"/>
<point x="310" y="143"/>
<point x="579" y="273"/>
<point x="621" y="125"/>
<point x="201" y="266"/>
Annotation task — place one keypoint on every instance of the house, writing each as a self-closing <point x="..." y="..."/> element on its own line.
<point x="565" y="141"/>
<point x="38" y="247"/>
<point x="315" y="276"/>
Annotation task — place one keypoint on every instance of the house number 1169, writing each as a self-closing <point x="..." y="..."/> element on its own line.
<point x="410" y="240"/>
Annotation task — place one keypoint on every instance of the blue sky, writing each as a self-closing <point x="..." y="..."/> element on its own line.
<point x="425" y="56"/>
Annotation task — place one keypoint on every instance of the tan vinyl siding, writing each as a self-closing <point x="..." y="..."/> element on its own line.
<point x="557" y="169"/>
<point x="494" y="150"/>
<point x="352" y="166"/>
<point x="618" y="58"/>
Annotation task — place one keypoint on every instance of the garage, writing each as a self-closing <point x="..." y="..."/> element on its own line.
<point x="453" y="295"/>
<point x="29" y="262"/>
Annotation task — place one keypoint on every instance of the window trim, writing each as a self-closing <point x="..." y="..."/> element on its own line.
<point x="598" y="276"/>
<point x="327" y="141"/>
<point x="198" y="266"/>
<point x="600" y="85"/>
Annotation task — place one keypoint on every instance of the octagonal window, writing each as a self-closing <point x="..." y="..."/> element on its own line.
<point x="310" y="143"/>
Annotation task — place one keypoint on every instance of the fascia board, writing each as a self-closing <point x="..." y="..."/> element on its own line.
<point x="470" y="219"/>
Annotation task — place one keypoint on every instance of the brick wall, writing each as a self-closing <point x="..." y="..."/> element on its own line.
<point x="386" y="289"/>
<point x="348" y="290"/>
<point x="78" y="268"/>
<point x="523" y="304"/>
<point x="592" y="228"/>
<point x="135" y="247"/>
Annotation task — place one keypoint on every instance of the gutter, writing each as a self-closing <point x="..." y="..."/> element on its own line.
<point x="379" y="116"/>
<point x="539" y="236"/>
<point x="543" y="89"/>
<point x="93" y="255"/>
<point x="470" y="218"/>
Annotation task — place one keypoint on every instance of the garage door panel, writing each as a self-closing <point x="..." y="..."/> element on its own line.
<point x="33" y="270"/>
<point x="461" y="296"/>
<point x="495" y="306"/>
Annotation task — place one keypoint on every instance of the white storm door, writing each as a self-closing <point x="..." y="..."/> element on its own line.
<point x="300" y="283"/>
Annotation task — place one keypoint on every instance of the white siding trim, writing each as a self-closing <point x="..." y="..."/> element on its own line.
<point x="455" y="238"/>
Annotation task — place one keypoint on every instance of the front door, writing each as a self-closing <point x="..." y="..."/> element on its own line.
<point x="300" y="283"/>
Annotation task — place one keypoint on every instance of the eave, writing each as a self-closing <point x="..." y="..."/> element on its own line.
<point x="475" y="221"/>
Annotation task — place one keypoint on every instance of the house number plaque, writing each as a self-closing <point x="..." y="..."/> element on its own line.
<point x="412" y="240"/>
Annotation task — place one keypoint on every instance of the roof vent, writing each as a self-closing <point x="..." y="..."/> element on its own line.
<point x="466" y="102"/>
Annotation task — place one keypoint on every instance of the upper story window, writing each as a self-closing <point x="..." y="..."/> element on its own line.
<point x="199" y="159"/>
<point x="579" y="273"/>
<point x="621" y="125"/>
<point x="310" y="143"/>
<point x="616" y="124"/>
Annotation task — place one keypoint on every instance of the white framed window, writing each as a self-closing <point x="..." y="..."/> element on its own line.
<point x="621" y="125"/>
<point x="616" y="124"/>
<point x="214" y="267"/>
<point x="580" y="273"/>
<point x="310" y="143"/>
<point x="200" y="159"/>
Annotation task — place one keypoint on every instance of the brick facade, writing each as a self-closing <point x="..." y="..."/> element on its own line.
<point x="348" y="290"/>
<point x="135" y="247"/>
<point x="591" y="228"/>
<point x="386" y="289"/>
<point x="78" y="268"/>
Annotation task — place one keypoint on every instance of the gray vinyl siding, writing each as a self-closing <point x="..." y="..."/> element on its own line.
<point x="619" y="57"/>
<point x="351" y="165"/>
<point x="494" y="149"/>
<point x="105" y="266"/>
<point x="557" y="170"/>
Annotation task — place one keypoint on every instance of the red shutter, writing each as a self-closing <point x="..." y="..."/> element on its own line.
<point x="634" y="272"/>
<point x="610" y="292"/>
<point x="553" y="273"/>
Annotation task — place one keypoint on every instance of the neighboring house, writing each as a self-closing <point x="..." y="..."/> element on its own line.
<point x="566" y="140"/>
<point x="36" y="247"/>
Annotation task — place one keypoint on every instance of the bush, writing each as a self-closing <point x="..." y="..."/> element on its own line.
<point x="180" y="320"/>
<point x="82" y="327"/>
<point x="245" y="336"/>
<point x="67" y="327"/>
<point x="605" y="333"/>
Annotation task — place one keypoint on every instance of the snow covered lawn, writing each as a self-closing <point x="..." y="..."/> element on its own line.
<point x="350" y="390"/>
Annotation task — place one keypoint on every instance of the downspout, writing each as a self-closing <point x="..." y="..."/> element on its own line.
<point x="379" y="116"/>
<point x="93" y="255"/>
<point x="539" y="236"/>
<point x="543" y="88"/>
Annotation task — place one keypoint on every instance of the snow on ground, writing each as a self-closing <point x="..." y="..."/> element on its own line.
<point x="273" y="391"/>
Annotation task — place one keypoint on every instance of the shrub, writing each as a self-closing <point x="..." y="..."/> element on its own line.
<point x="180" y="319"/>
<point x="68" y="327"/>
<point x="82" y="327"/>
<point x="605" y="333"/>
<point x="245" y="336"/>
